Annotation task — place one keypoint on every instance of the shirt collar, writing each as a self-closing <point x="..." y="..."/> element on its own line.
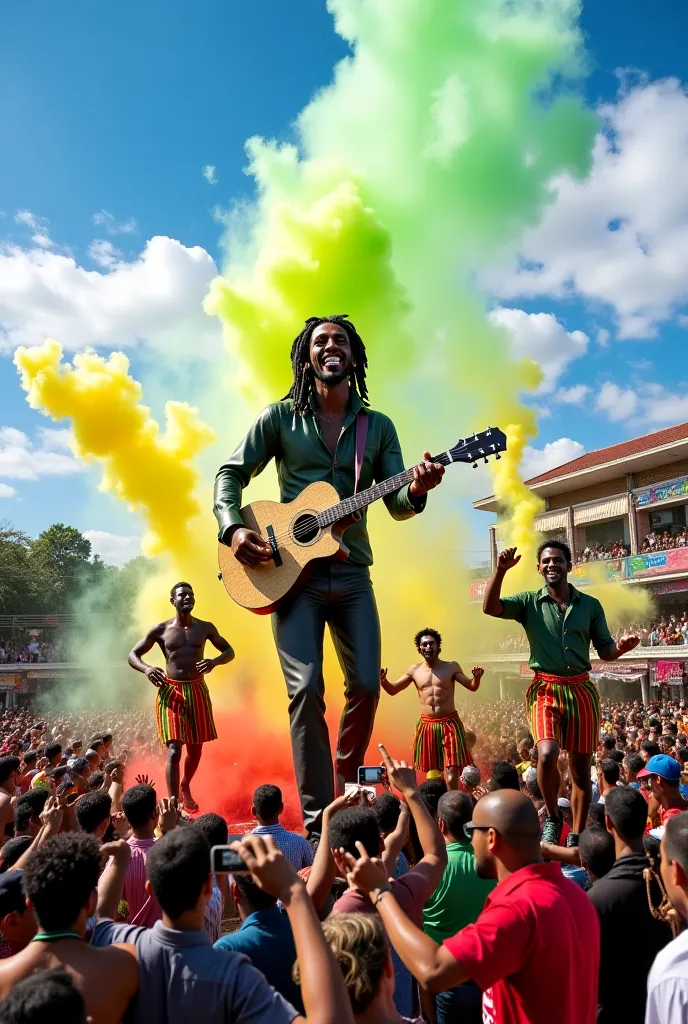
<point x="269" y="829"/>
<point x="172" y="937"/>
<point x="543" y="593"/>
<point x="258" y="916"/>
<point x="542" y="872"/>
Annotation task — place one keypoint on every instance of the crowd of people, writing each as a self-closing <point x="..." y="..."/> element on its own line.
<point x="655" y="541"/>
<point x="111" y="902"/>
<point x="603" y="551"/>
<point x="30" y="650"/>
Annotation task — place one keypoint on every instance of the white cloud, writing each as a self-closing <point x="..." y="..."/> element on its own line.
<point x="156" y="298"/>
<point x="104" y="253"/>
<point x="6" y="491"/>
<point x="618" y="403"/>
<point x="39" y="226"/>
<point x="20" y="459"/>
<point x="113" y="548"/>
<point x="621" y="236"/>
<point x="114" y="227"/>
<point x="555" y="453"/>
<point x="541" y="337"/>
<point x="28" y="219"/>
<point x="209" y="174"/>
<point x="575" y="395"/>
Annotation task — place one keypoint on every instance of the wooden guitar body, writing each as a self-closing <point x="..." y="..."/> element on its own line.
<point x="261" y="589"/>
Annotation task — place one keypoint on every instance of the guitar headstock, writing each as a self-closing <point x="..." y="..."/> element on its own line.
<point x="483" y="445"/>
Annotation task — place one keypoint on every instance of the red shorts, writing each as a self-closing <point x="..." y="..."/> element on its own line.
<point x="565" y="709"/>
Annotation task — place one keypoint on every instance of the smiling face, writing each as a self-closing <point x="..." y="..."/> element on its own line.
<point x="428" y="647"/>
<point x="553" y="566"/>
<point x="330" y="354"/>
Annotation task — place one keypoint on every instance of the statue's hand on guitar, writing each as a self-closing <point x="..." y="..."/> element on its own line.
<point x="249" y="548"/>
<point x="426" y="475"/>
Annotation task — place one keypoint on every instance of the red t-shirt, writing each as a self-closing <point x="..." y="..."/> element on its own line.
<point x="534" y="950"/>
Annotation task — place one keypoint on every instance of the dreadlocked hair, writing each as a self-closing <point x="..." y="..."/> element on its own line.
<point x="301" y="362"/>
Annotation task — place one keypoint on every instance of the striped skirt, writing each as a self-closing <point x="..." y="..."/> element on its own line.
<point x="565" y="709"/>
<point x="440" y="743"/>
<point x="190" y="721"/>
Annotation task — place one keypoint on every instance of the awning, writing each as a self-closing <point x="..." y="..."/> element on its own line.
<point x="550" y="521"/>
<point x="610" y="508"/>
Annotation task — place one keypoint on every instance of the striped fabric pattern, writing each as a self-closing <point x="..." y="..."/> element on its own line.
<point x="144" y="910"/>
<point x="440" y="743"/>
<point x="190" y="722"/>
<point x="295" y="848"/>
<point x="565" y="709"/>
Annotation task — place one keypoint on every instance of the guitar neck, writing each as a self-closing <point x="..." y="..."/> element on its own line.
<point x="364" y="498"/>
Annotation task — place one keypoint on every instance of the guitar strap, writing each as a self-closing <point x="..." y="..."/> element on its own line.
<point x="361" y="437"/>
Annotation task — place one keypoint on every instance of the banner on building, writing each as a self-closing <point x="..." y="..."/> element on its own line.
<point x="619" y="668"/>
<point x="665" y="492"/>
<point x="477" y="589"/>
<point x="668" y="673"/>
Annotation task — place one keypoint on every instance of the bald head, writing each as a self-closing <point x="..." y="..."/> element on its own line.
<point x="455" y="809"/>
<point x="511" y="814"/>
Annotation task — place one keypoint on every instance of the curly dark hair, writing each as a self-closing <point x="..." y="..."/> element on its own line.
<point x="49" y="995"/>
<point x="427" y="632"/>
<point x="178" y="867"/>
<point x="301" y="362"/>
<point x="59" y="878"/>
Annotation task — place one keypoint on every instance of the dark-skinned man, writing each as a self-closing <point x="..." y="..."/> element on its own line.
<point x="313" y="434"/>
<point x="534" y="949"/>
<point x="183" y="711"/>
<point x="563" y="703"/>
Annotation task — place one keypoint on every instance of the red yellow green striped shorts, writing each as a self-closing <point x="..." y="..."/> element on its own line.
<point x="440" y="743"/>
<point x="190" y="722"/>
<point x="565" y="709"/>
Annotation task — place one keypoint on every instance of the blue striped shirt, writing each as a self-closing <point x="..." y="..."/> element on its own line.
<point x="294" y="847"/>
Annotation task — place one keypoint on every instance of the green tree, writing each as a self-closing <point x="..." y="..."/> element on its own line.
<point x="61" y="566"/>
<point x="17" y="588"/>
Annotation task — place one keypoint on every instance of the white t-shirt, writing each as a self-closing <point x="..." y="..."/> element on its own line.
<point x="667" y="984"/>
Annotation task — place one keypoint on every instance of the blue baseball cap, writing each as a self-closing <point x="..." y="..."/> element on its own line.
<point x="663" y="765"/>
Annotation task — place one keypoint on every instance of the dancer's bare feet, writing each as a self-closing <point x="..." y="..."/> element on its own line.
<point x="187" y="800"/>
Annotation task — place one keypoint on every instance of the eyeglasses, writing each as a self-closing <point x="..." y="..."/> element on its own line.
<point x="471" y="827"/>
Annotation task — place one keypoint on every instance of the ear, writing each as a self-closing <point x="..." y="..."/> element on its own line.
<point x="608" y="824"/>
<point x="234" y="891"/>
<point x="149" y="888"/>
<point x="442" y="826"/>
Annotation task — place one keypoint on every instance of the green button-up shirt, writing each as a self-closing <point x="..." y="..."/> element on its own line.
<point x="560" y="640"/>
<point x="296" y="444"/>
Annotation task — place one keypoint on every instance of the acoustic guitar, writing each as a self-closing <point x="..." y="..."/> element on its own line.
<point x="312" y="525"/>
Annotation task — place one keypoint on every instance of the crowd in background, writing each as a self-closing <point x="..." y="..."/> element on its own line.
<point x="657" y="541"/>
<point x="393" y="916"/>
<point x="602" y="551"/>
<point x="30" y="649"/>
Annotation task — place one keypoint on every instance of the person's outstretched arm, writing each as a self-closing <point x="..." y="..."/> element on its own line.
<point x="324" y="870"/>
<point x="434" y="860"/>
<point x="400" y="684"/>
<point x="324" y="996"/>
<point x="471" y="682"/>
<point x="492" y="603"/>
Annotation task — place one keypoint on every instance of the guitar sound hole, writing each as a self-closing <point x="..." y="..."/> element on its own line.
<point x="306" y="528"/>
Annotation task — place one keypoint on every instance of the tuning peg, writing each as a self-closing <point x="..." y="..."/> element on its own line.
<point x="498" y="456"/>
<point x="485" y="460"/>
<point x="475" y="465"/>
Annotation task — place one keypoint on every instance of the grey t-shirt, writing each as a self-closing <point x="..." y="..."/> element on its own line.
<point x="182" y="978"/>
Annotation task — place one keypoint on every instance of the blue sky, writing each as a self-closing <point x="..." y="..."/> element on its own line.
<point x="112" y="111"/>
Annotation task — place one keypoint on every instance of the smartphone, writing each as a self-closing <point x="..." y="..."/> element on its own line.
<point x="368" y="775"/>
<point x="223" y="860"/>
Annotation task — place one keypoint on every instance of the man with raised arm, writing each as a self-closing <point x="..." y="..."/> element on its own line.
<point x="563" y="703"/>
<point x="183" y="711"/>
<point x="440" y="743"/>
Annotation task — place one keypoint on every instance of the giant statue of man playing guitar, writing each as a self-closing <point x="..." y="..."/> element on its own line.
<point x="312" y="435"/>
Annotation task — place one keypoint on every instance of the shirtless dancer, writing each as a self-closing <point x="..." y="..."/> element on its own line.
<point x="440" y="743"/>
<point x="183" y="711"/>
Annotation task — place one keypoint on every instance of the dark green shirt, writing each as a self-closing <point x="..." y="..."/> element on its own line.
<point x="296" y="444"/>
<point x="560" y="641"/>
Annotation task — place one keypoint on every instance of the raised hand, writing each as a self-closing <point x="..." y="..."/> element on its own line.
<point x="269" y="868"/>
<point x="383" y="675"/>
<point x="426" y="475"/>
<point x="367" y="873"/>
<point x="340" y="803"/>
<point x="168" y="814"/>
<point x="626" y="643"/>
<point x="52" y="814"/>
<point x="144" y="780"/>
<point x="478" y="673"/>
<point x="508" y="559"/>
<point x="401" y="776"/>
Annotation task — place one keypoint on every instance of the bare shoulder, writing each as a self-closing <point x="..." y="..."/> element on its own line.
<point x="208" y="627"/>
<point x="413" y="670"/>
<point x="160" y="628"/>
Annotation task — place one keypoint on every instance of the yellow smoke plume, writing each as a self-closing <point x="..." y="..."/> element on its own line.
<point x="149" y="469"/>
